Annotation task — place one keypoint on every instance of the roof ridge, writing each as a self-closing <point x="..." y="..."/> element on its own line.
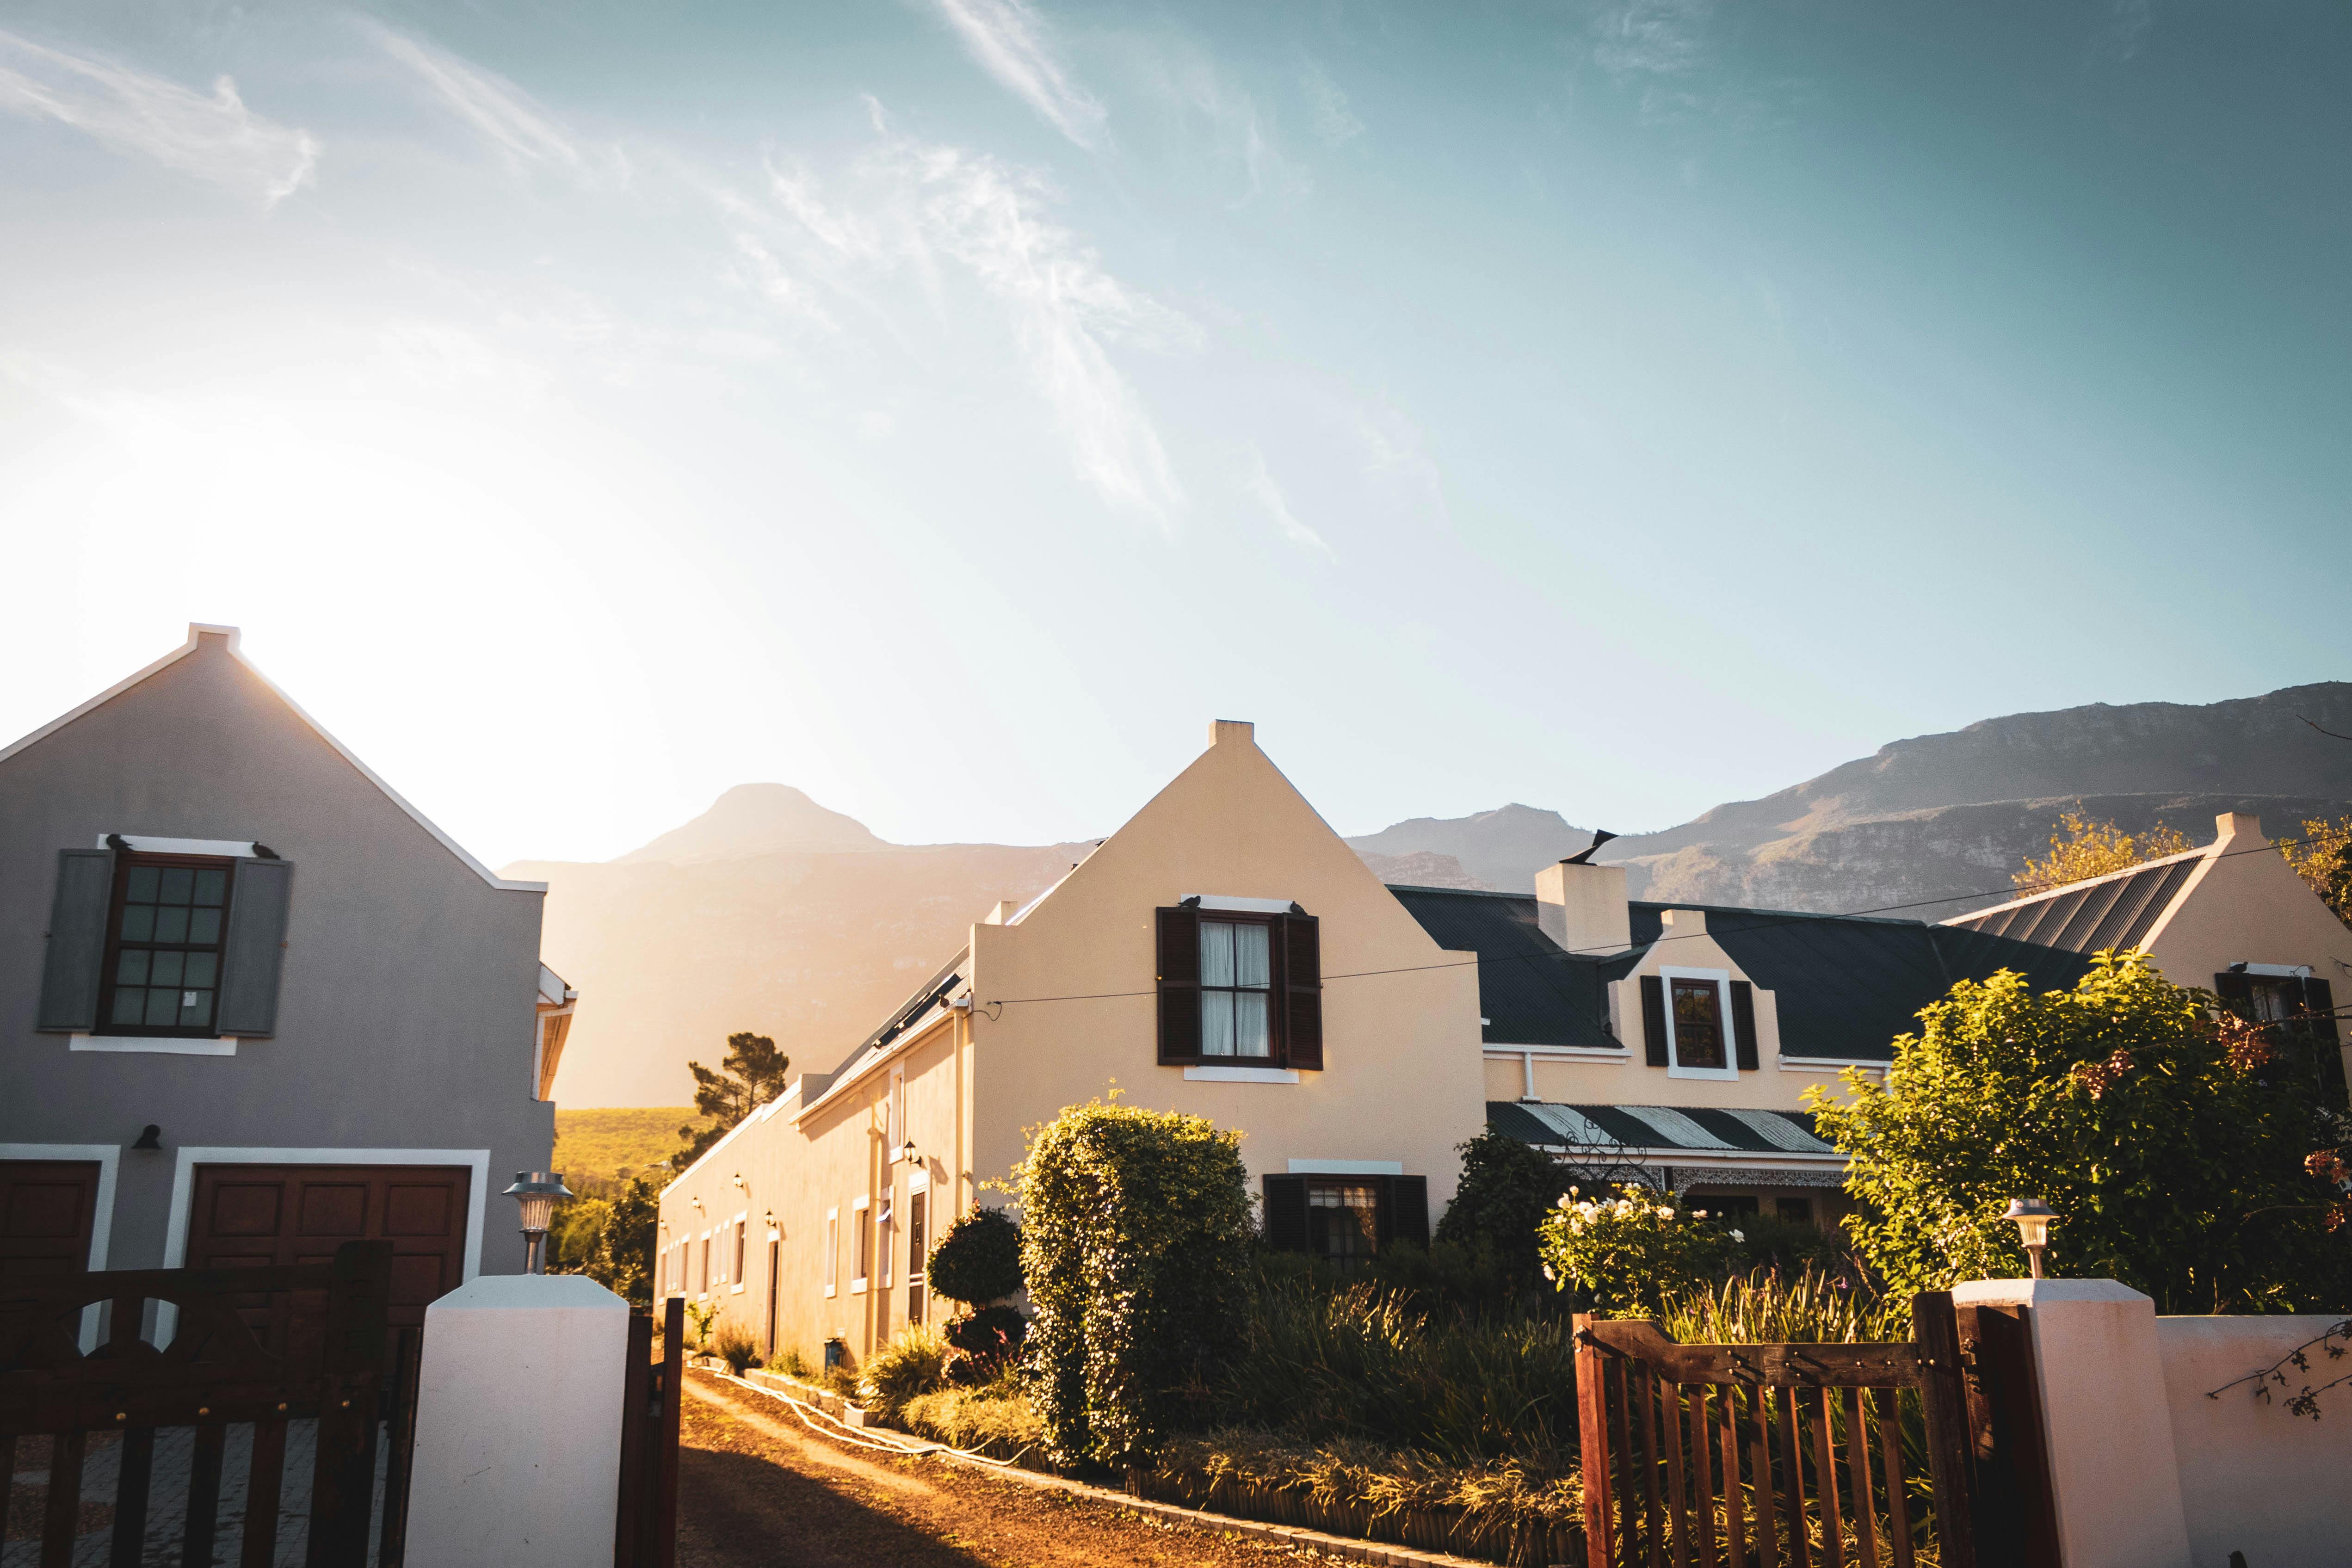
<point x="2162" y="862"/>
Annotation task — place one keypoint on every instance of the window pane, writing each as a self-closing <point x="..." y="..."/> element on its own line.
<point x="1216" y="952"/>
<point x="1699" y="1024"/>
<point x="1216" y="1023"/>
<point x="211" y="884"/>
<point x="131" y="968"/>
<point x="1252" y="965"/>
<point x="130" y="1006"/>
<point x="163" y="1008"/>
<point x="202" y="967"/>
<point x="138" y="921"/>
<point x="166" y="971"/>
<point x="170" y="923"/>
<point x="1250" y="1037"/>
<point x="203" y="925"/>
<point x="195" y="1009"/>
<point x="179" y="882"/>
<point x="140" y="886"/>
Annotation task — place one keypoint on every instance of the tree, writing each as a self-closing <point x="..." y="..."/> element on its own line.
<point x="751" y="1075"/>
<point x="2083" y="849"/>
<point x="1135" y="1242"/>
<point x="1507" y="1189"/>
<point x="2323" y="857"/>
<point x="2185" y="1154"/>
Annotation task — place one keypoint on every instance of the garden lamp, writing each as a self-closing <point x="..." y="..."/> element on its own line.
<point x="536" y="1192"/>
<point x="2031" y="1216"/>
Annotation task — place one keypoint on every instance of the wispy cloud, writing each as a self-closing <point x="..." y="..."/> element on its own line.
<point x="1262" y="489"/>
<point x="1651" y="38"/>
<point x="524" y="133"/>
<point x="215" y="138"/>
<point x="1334" y="118"/>
<point x="1010" y="40"/>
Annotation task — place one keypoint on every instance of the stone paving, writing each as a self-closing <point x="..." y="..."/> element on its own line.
<point x="167" y="1504"/>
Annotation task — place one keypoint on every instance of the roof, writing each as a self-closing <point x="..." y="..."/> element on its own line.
<point x="196" y="632"/>
<point x="1846" y="985"/>
<point x="1667" y="1129"/>
<point x="1531" y="992"/>
<point x="2114" y="911"/>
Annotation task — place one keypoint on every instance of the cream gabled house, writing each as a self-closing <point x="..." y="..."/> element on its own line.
<point x="2231" y="916"/>
<point x="1225" y="954"/>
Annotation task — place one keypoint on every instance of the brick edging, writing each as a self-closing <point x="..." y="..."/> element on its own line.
<point x="1345" y="1547"/>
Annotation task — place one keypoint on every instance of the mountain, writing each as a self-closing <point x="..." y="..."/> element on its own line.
<point x="770" y="913"/>
<point x="1499" y="849"/>
<point x="1953" y="813"/>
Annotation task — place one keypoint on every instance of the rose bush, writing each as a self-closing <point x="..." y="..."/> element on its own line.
<point x="1626" y="1253"/>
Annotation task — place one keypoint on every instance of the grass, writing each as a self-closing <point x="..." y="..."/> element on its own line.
<point x="598" y="1145"/>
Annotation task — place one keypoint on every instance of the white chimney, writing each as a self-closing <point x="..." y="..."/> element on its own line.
<point x="1584" y="909"/>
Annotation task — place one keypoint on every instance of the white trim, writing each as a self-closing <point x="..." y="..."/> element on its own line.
<point x="917" y="1181"/>
<point x="1730" y="1071"/>
<point x="155" y="1044"/>
<point x="1242" y="1075"/>
<point x="147" y="843"/>
<point x="2279" y="971"/>
<point x="109" y="1157"/>
<point x="1567" y="1052"/>
<point x="184" y="1194"/>
<point x="857" y="1286"/>
<point x="1347" y="1167"/>
<point x="197" y="630"/>
<point x="1826" y="1064"/>
<point x="833" y="1250"/>
<point x="1239" y="906"/>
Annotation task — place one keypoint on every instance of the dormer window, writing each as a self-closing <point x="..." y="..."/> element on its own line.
<point x="1699" y="1023"/>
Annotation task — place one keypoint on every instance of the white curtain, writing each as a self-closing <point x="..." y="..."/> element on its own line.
<point x="1236" y="968"/>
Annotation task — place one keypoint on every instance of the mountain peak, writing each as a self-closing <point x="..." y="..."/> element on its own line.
<point x="759" y="819"/>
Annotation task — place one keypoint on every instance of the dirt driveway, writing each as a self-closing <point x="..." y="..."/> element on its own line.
<point x="757" y="1490"/>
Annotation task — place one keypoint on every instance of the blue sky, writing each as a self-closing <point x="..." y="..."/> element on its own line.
<point x="948" y="406"/>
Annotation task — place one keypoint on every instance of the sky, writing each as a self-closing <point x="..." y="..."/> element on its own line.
<point x="950" y="406"/>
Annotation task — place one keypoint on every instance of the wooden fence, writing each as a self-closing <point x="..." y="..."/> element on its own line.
<point x="645" y="1532"/>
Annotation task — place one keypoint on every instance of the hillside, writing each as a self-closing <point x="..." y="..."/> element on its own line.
<point x="601" y="1146"/>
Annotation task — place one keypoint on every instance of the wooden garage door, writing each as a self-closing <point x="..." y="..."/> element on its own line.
<point x="256" y="1216"/>
<point x="47" y="1211"/>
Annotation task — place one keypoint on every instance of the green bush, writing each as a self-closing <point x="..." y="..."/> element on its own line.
<point x="1624" y="1253"/>
<point x="996" y="1420"/>
<point x="2182" y="1155"/>
<point x="1136" y="1236"/>
<point x="983" y="1345"/>
<point x="977" y="1259"/>
<point x="792" y="1363"/>
<point x="737" y="1348"/>
<point x="1506" y="1186"/>
<point x="911" y="1364"/>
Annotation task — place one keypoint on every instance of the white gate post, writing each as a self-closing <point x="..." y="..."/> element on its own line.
<point x="2105" y="1417"/>
<point x="518" y="1407"/>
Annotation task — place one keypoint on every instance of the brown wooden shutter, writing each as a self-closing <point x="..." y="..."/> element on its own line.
<point x="1743" y="1023"/>
<point x="1285" y="1213"/>
<point x="2319" y="1001"/>
<point x="1179" y="987"/>
<point x="1653" y="1019"/>
<point x="1302" y="992"/>
<point x="1404" y="1210"/>
<point x="254" y="949"/>
<point x="77" y="953"/>
<point x="2236" y="992"/>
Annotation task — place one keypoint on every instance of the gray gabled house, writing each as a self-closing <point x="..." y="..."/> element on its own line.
<point x="252" y="1003"/>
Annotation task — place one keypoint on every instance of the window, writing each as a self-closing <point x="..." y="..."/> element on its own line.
<point x="775" y="1250"/>
<point x="861" y="1223"/>
<point x="1698" y="1023"/>
<point x="832" y="1250"/>
<point x="1798" y="1209"/>
<point x="163" y="949"/>
<point x="1240" y="989"/>
<point x="706" y="1266"/>
<point x="737" y="1274"/>
<point x="916" y="1206"/>
<point x="1342" y="1221"/>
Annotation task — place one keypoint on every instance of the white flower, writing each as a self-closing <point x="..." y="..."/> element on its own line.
<point x="1698" y="1214"/>
<point x="1564" y="1203"/>
<point x="1550" y="1274"/>
<point x="1576" y="1192"/>
<point x="1739" y="1236"/>
<point x="1665" y="1212"/>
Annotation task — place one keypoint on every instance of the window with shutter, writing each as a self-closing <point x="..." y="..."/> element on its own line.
<point x="1743" y="1023"/>
<point x="167" y="938"/>
<point x="255" y="951"/>
<point x="1285" y="1213"/>
<point x="73" y="968"/>
<point x="1179" y="987"/>
<point x="1302" y="981"/>
<point x="1654" y="1020"/>
<point x="1408" y="1209"/>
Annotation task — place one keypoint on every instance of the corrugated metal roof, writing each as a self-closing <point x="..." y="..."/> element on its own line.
<point x="1663" y="1128"/>
<point x="2114" y="911"/>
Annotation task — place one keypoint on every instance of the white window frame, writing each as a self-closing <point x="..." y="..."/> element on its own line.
<point x="832" y="1251"/>
<point x="741" y="1240"/>
<point x="1730" y="1071"/>
<point x="859" y="1209"/>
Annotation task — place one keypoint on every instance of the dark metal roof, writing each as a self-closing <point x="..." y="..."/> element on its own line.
<point x="2114" y="911"/>
<point x="1530" y="993"/>
<point x="1846" y="985"/>
<point x="1594" y="1128"/>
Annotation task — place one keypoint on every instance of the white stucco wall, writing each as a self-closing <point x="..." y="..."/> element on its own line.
<point x="518" y="1406"/>
<point x="2254" y="1477"/>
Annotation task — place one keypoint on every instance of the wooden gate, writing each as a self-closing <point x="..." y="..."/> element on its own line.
<point x="645" y="1533"/>
<point x="1775" y="1453"/>
<point x="211" y="1373"/>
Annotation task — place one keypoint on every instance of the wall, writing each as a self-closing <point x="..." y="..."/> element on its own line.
<point x="2254" y="1477"/>
<point x="406" y="1007"/>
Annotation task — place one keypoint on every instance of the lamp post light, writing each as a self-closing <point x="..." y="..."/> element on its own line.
<point x="906" y="1155"/>
<point x="2031" y="1216"/>
<point x="536" y="1192"/>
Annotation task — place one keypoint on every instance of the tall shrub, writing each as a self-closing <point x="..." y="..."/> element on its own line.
<point x="1506" y="1187"/>
<point x="1135" y="1242"/>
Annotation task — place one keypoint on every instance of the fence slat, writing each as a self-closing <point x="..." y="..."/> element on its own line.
<point x="1890" y="1453"/>
<point x="400" y="1445"/>
<point x="264" y="1483"/>
<point x="1825" y="1483"/>
<point x="137" y="1468"/>
<point x="1671" y="1415"/>
<point x="1759" y="1464"/>
<point x="1620" y="1375"/>
<point x="203" y="1496"/>
<point x="1735" y="1505"/>
<point x="1942" y="1401"/>
<point x="1701" y="1427"/>
<point x="1592" y="1439"/>
<point x="63" y="1517"/>
<point x="665" y="1553"/>
<point x="1647" y="1381"/>
<point x="1857" y="1471"/>
<point x="1799" y="1515"/>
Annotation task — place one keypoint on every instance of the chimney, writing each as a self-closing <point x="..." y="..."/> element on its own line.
<point x="1003" y="913"/>
<point x="1582" y="907"/>
<point x="2232" y="825"/>
<point x="1223" y="730"/>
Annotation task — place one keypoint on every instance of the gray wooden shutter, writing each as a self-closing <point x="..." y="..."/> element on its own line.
<point x="254" y="951"/>
<point x="1743" y="1023"/>
<point x="76" y="956"/>
<point x="1285" y="1213"/>
<point x="1404" y="1210"/>
<point x="1179" y="987"/>
<point x="1653" y="1019"/>
<point x="1302" y="992"/>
